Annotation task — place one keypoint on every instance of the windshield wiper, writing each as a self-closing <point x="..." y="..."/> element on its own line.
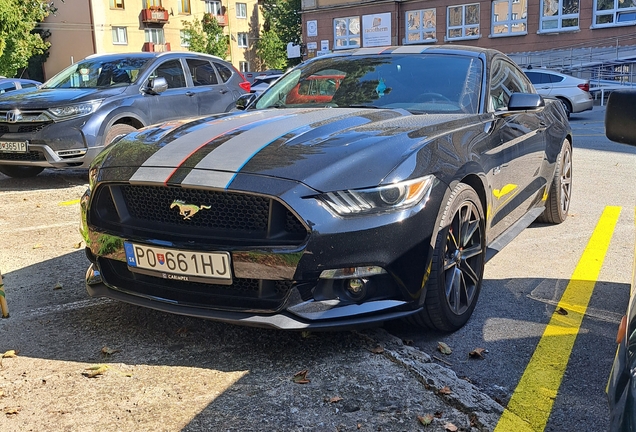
<point x="363" y="106"/>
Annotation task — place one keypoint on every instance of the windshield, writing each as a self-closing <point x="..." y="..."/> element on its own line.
<point x="99" y="73"/>
<point x="420" y="83"/>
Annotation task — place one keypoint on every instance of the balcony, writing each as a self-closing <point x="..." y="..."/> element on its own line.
<point x="154" y="16"/>
<point x="153" y="47"/>
<point x="221" y="19"/>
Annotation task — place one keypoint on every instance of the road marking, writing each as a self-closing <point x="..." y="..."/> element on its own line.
<point x="531" y="403"/>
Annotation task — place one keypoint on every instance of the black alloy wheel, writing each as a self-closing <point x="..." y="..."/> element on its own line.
<point x="458" y="263"/>
<point x="560" y="193"/>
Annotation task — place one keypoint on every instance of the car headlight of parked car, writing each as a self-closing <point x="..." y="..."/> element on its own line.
<point x="396" y="196"/>
<point x="72" y="111"/>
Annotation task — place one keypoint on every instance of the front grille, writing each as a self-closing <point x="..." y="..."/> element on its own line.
<point x="21" y="127"/>
<point x="181" y="214"/>
<point x="30" y="156"/>
<point x="244" y="294"/>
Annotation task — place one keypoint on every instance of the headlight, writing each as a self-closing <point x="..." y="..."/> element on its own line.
<point x="71" y="111"/>
<point x="397" y="196"/>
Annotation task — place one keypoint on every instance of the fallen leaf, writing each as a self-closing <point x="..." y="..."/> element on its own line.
<point x="77" y="245"/>
<point x="335" y="399"/>
<point x="477" y="353"/>
<point x="305" y="334"/>
<point x="450" y="427"/>
<point x="108" y="351"/>
<point x="37" y="246"/>
<point x="359" y="425"/>
<point x="1" y="393"/>
<point x="425" y="419"/>
<point x="301" y="377"/>
<point x="12" y="411"/>
<point x="377" y="350"/>
<point x="561" y="311"/>
<point x="58" y="286"/>
<point x="445" y="390"/>
<point x="95" y="371"/>
<point x="443" y="348"/>
<point x="10" y="354"/>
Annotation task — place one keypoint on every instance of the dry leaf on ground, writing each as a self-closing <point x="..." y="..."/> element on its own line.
<point x="58" y="286"/>
<point x="10" y="354"/>
<point x="335" y="399"/>
<point x="445" y="390"/>
<point x="301" y="377"/>
<point x="95" y="371"/>
<point x="444" y="348"/>
<point x="561" y="311"/>
<point x="109" y="351"/>
<point x="450" y="427"/>
<point x="477" y="353"/>
<point x="377" y="350"/>
<point x="425" y="419"/>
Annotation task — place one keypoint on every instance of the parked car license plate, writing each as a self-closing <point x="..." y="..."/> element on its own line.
<point x="13" y="146"/>
<point x="208" y="267"/>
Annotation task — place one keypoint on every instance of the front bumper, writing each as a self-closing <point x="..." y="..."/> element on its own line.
<point x="66" y="144"/>
<point x="280" y="285"/>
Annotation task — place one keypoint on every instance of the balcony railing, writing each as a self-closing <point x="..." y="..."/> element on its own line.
<point x="153" y="47"/>
<point x="221" y="19"/>
<point x="154" y="16"/>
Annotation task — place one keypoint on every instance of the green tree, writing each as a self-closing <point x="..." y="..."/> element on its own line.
<point x="206" y="36"/>
<point x="272" y="51"/>
<point x="282" y="17"/>
<point x="18" y="39"/>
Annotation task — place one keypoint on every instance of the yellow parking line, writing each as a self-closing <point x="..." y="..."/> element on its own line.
<point x="70" y="203"/>
<point x="530" y="405"/>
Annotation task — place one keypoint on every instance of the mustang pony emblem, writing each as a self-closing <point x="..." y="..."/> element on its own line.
<point x="187" y="210"/>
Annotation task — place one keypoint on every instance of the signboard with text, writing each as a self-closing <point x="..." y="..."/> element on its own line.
<point x="376" y="30"/>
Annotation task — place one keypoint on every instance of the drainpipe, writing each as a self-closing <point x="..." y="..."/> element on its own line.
<point x="92" y="21"/>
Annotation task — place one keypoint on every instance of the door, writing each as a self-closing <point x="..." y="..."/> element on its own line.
<point x="211" y="93"/>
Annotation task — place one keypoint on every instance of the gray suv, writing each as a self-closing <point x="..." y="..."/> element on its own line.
<point x="74" y="115"/>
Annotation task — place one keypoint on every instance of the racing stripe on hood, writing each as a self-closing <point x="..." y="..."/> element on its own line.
<point x="228" y="159"/>
<point x="160" y="166"/>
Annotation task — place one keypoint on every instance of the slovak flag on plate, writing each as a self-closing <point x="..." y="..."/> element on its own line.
<point x="161" y="258"/>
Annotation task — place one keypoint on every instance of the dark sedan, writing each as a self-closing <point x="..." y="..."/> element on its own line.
<point x="620" y="126"/>
<point x="380" y="199"/>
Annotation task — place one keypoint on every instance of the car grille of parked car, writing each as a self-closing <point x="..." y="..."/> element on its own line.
<point x="244" y="294"/>
<point x="29" y="156"/>
<point x="221" y="217"/>
<point x="21" y="128"/>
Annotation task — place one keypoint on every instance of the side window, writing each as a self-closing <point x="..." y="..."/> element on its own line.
<point x="28" y="85"/>
<point x="172" y="72"/>
<point x="7" y="87"/>
<point x="504" y="81"/>
<point x="536" y="78"/>
<point x="202" y="72"/>
<point x="224" y="71"/>
<point x="556" y="78"/>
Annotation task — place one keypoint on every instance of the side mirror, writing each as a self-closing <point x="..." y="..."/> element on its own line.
<point x="620" y="117"/>
<point x="244" y="101"/>
<point x="525" y="101"/>
<point x="156" y="85"/>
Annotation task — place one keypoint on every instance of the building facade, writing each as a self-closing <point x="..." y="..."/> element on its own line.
<point x="83" y="27"/>
<point x="511" y="26"/>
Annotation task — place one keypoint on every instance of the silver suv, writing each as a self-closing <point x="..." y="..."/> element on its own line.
<point x="70" y="118"/>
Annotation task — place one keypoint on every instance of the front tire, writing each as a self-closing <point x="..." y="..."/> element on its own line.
<point x="17" y="171"/>
<point x="558" y="203"/>
<point x="458" y="263"/>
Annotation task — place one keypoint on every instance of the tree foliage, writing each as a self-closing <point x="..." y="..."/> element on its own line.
<point x="206" y="36"/>
<point x="18" y="39"/>
<point x="282" y="24"/>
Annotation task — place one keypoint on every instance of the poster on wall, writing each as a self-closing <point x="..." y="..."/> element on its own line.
<point x="376" y="30"/>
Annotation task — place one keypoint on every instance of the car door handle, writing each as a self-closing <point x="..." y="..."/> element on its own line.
<point x="223" y="91"/>
<point x="189" y="93"/>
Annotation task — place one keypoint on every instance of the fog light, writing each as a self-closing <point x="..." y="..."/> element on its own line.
<point x="352" y="272"/>
<point x="356" y="288"/>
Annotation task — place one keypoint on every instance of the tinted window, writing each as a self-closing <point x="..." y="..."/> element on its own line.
<point x="538" y="77"/>
<point x="172" y="72"/>
<point x="555" y="78"/>
<point x="505" y="80"/>
<point x="28" y="85"/>
<point x="6" y="87"/>
<point x="202" y="72"/>
<point x="224" y="71"/>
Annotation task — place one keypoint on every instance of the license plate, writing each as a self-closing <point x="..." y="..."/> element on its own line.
<point x="176" y="264"/>
<point x="13" y="146"/>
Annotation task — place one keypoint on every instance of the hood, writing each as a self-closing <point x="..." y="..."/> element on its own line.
<point x="42" y="99"/>
<point x="324" y="148"/>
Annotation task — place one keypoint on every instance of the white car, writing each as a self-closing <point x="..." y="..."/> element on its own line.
<point x="573" y="92"/>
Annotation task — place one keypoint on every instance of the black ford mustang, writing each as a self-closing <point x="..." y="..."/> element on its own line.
<point x="362" y="186"/>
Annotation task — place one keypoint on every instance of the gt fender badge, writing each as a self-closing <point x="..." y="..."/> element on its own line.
<point x="187" y="210"/>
